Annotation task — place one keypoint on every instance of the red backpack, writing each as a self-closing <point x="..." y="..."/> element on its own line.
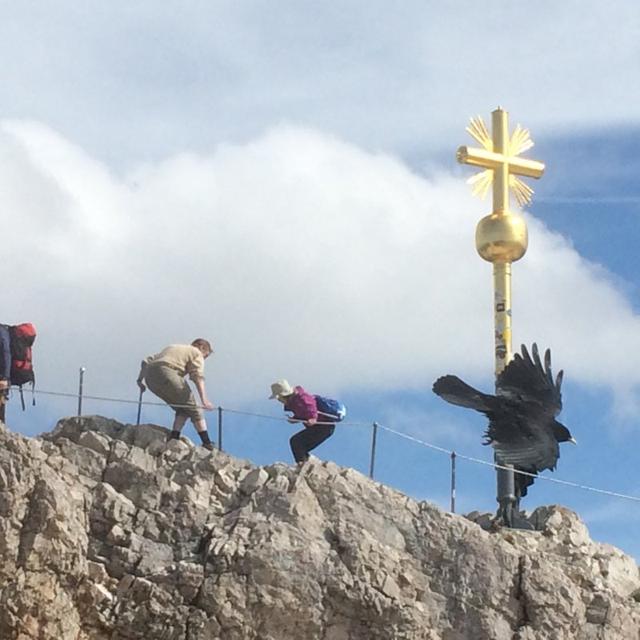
<point x="22" y="339"/>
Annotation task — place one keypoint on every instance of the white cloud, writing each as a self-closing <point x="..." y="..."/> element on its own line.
<point x="132" y="80"/>
<point x="576" y="307"/>
<point x="300" y="255"/>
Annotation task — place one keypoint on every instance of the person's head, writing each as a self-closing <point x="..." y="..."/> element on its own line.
<point x="203" y="345"/>
<point x="281" y="390"/>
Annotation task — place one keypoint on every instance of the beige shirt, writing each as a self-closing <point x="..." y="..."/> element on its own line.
<point x="184" y="358"/>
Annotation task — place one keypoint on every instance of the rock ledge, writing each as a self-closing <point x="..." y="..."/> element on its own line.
<point x="109" y="532"/>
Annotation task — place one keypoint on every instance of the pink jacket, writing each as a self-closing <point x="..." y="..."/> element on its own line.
<point x="302" y="404"/>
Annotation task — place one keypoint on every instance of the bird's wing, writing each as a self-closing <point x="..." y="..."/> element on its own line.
<point x="455" y="391"/>
<point x="526" y="379"/>
<point x="524" y="440"/>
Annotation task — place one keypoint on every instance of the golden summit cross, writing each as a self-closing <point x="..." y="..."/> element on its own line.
<point x="499" y="157"/>
<point x="501" y="238"/>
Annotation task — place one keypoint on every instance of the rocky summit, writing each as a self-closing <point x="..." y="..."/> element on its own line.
<point x="110" y="532"/>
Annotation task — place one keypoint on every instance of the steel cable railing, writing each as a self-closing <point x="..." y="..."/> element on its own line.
<point x="375" y="426"/>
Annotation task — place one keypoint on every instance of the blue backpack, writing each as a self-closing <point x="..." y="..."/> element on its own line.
<point x="330" y="408"/>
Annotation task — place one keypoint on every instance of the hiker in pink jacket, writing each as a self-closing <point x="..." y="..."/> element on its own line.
<point x="304" y="409"/>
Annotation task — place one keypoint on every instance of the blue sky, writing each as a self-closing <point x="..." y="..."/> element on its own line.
<point x="282" y="179"/>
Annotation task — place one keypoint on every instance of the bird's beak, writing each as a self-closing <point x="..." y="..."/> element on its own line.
<point x="572" y="440"/>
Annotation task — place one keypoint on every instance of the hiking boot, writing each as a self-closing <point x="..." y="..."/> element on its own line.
<point x="209" y="446"/>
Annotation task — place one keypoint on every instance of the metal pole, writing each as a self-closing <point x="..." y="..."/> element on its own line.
<point x="219" y="428"/>
<point x="502" y="322"/>
<point x="502" y="290"/>
<point x="80" y="386"/>
<point x="374" y="437"/>
<point x="139" y="407"/>
<point x="453" y="482"/>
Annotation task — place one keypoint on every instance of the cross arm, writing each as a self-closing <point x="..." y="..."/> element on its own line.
<point x="491" y="160"/>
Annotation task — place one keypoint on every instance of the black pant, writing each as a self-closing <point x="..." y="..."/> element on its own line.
<point x="308" y="439"/>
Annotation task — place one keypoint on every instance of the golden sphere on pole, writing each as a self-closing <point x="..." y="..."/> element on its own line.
<point x="502" y="237"/>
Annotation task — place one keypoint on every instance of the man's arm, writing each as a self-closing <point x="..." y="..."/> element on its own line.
<point x="140" y="380"/>
<point x="202" y="392"/>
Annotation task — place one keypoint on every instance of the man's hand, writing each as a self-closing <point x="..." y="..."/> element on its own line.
<point x="207" y="405"/>
<point x="310" y="423"/>
<point x="141" y="386"/>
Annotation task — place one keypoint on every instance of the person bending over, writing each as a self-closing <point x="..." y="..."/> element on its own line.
<point x="164" y="374"/>
<point x="304" y="409"/>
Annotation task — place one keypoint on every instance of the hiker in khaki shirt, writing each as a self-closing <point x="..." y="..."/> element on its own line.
<point x="164" y="374"/>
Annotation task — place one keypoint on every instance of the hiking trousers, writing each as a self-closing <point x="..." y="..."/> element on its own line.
<point x="171" y="387"/>
<point x="308" y="439"/>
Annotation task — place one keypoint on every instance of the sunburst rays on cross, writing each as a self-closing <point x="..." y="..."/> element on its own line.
<point x="519" y="142"/>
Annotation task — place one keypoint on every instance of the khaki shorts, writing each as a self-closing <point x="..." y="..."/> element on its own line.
<point x="171" y="387"/>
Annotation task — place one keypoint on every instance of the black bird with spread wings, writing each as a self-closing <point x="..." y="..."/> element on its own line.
<point x="523" y="428"/>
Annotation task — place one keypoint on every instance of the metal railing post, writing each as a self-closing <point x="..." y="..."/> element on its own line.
<point x="453" y="482"/>
<point x="219" y="428"/>
<point x="80" y="387"/>
<point x="139" y="408"/>
<point x="374" y="437"/>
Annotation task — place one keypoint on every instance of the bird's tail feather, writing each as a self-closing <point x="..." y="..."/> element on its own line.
<point x="455" y="391"/>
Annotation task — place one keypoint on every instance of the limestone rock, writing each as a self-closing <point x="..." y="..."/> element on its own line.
<point x="108" y="531"/>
